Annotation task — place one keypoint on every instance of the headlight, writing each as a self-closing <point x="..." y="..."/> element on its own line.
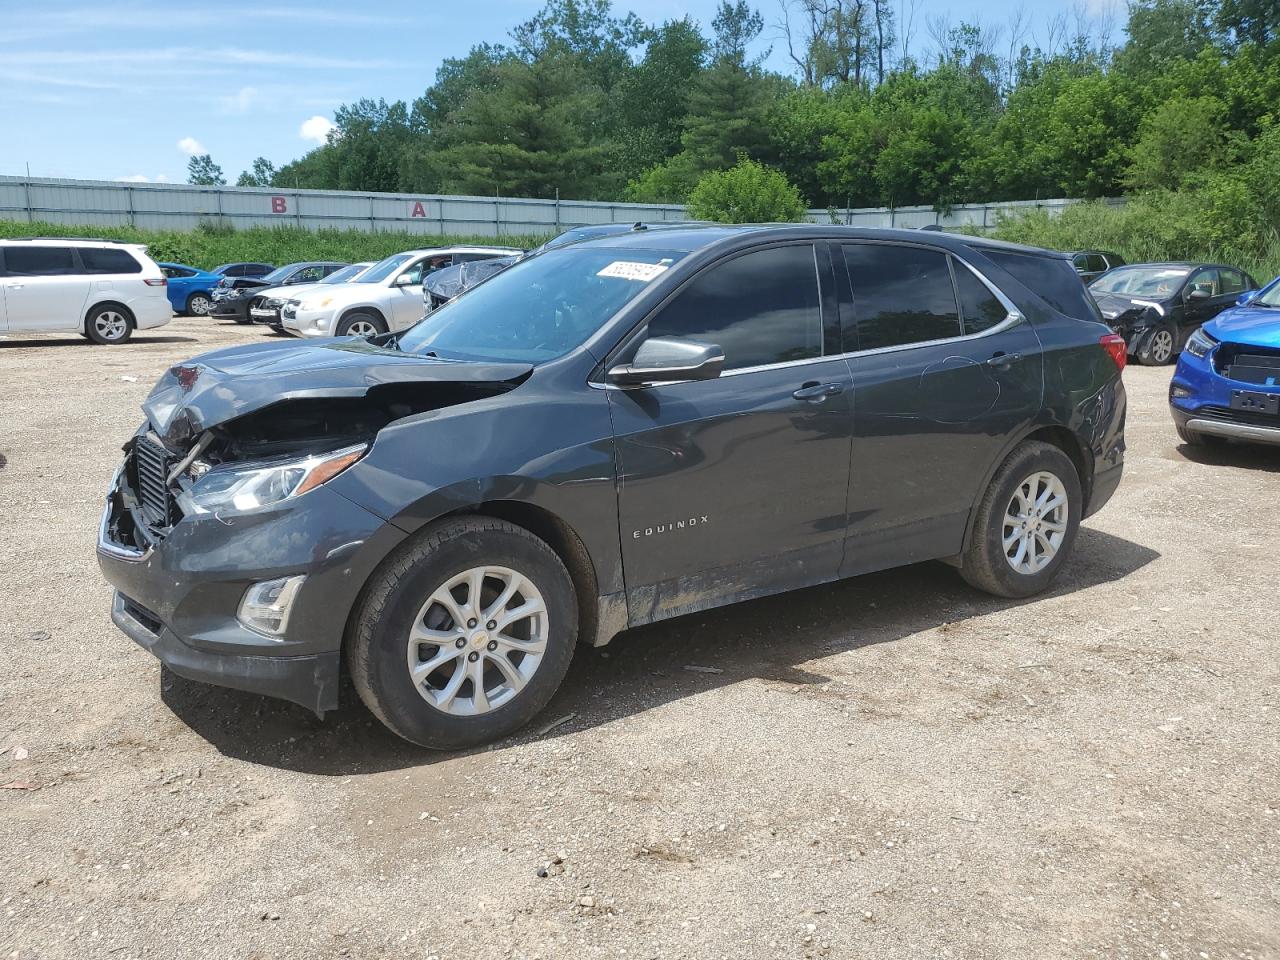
<point x="317" y="304"/>
<point x="236" y="489"/>
<point x="1199" y="344"/>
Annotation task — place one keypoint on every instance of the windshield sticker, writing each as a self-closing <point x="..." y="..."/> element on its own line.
<point x="630" y="270"/>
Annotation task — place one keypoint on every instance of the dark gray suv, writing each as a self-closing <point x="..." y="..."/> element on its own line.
<point x="606" y="435"/>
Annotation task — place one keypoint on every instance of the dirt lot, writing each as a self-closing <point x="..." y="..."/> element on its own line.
<point x="892" y="767"/>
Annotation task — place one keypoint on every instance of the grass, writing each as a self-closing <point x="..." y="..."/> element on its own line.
<point x="208" y="246"/>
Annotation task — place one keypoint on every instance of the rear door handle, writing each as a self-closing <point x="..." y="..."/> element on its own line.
<point x="1003" y="360"/>
<point x="817" y="392"/>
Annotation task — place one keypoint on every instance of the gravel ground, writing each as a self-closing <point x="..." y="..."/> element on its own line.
<point x="894" y="766"/>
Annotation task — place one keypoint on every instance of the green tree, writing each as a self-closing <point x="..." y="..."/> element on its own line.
<point x="748" y="192"/>
<point x="1178" y="141"/>
<point x="261" y="175"/>
<point x="203" y="172"/>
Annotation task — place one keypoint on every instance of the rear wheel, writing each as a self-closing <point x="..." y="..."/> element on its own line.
<point x="109" y="324"/>
<point x="198" y="305"/>
<point x="360" y="325"/>
<point x="1025" y="526"/>
<point x="1158" y="349"/>
<point x="465" y="635"/>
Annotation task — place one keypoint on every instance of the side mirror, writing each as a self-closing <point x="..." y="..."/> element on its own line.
<point x="1199" y="293"/>
<point x="666" y="359"/>
<point x="406" y="280"/>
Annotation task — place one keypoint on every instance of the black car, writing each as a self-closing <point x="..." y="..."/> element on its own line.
<point x="234" y="297"/>
<point x="251" y="270"/>
<point x="1091" y="264"/>
<point x="607" y="435"/>
<point x="1157" y="306"/>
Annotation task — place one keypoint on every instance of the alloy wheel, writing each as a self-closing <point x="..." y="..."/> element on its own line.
<point x="478" y="640"/>
<point x="362" y="328"/>
<point x="111" y="325"/>
<point x="1035" y="523"/>
<point x="199" y="306"/>
<point x="1161" y="346"/>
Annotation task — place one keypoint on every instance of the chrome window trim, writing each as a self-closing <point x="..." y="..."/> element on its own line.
<point x="1013" y="317"/>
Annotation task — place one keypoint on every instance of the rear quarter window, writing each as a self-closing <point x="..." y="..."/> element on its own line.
<point x="1053" y="279"/>
<point x="107" y="260"/>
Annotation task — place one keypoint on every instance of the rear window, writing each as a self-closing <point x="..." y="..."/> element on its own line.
<point x="1054" y="280"/>
<point x="107" y="260"/>
<point x="36" y="261"/>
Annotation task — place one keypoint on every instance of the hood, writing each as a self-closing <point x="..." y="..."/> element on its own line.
<point x="1115" y="305"/>
<point x="289" y="291"/>
<point x="216" y="387"/>
<point x="1252" y="326"/>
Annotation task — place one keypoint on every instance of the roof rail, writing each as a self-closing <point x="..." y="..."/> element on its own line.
<point x="78" y="240"/>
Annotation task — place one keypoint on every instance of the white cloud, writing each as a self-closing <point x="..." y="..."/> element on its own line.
<point x="240" y="101"/>
<point x="317" y="128"/>
<point x="191" y="146"/>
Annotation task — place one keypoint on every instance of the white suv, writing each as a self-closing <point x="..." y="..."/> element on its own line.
<point x="387" y="296"/>
<point x="98" y="288"/>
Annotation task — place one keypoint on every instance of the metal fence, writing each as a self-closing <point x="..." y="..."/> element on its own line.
<point x="109" y="203"/>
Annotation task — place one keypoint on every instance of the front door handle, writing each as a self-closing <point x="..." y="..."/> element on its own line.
<point x="1003" y="361"/>
<point x="817" y="392"/>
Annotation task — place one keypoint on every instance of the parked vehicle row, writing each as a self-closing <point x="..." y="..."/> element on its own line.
<point x="620" y="430"/>
<point x="235" y="297"/>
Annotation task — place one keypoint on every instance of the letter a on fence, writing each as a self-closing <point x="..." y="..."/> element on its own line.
<point x="418" y="209"/>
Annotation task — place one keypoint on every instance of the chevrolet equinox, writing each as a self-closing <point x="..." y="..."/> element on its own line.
<point x="606" y="435"/>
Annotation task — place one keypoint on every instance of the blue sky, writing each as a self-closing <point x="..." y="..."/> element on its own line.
<point x="129" y="90"/>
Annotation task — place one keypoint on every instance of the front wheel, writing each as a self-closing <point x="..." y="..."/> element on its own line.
<point x="464" y="635"/>
<point x="108" y="324"/>
<point x="198" y="305"/>
<point x="1158" y="349"/>
<point x="1193" y="439"/>
<point x="1026" y="525"/>
<point x="360" y="325"/>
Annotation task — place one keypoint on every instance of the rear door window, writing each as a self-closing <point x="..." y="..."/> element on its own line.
<point x="177" y="273"/>
<point x="1097" y="263"/>
<point x="760" y="308"/>
<point x="107" y="260"/>
<point x="901" y="295"/>
<point x="1232" y="281"/>
<point x="1052" y="279"/>
<point x="39" y="261"/>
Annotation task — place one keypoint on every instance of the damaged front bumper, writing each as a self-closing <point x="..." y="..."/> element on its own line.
<point x="178" y="593"/>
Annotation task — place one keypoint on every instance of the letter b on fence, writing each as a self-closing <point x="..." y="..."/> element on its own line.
<point x="279" y="205"/>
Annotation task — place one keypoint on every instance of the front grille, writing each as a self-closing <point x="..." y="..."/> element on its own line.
<point x="151" y="465"/>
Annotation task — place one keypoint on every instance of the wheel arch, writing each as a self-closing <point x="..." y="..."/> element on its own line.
<point x="1055" y="435"/>
<point x="361" y="308"/>
<point x="99" y="304"/>
<point x="547" y="526"/>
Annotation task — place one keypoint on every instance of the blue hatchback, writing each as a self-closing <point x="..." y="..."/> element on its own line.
<point x="189" y="288"/>
<point x="1227" y="383"/>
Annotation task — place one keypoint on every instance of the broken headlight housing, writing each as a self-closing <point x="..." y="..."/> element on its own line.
<point x="237" y="488"/>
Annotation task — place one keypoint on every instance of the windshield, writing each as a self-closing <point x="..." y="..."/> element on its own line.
<point x="384" y="268"/>
<point x="540" y="308"/>
<point x="346" y="273"/>
<point x="1142" y="281"/>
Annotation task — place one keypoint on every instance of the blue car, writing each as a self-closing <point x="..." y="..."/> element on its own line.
<point x="1227" y="383"/>
<point x="189" y="288"/>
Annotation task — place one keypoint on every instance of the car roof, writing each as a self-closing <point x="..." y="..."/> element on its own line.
<point x="315" y="263"/>
<point x="456" y="248"/>
<point x="694" y="237"/>
<point x="79" y="241"/>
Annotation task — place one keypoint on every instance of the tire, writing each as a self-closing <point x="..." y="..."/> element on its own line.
<point x="109" y="323"/>
<point x="985" y="564"/>
<point x="1193" y="439"/>
<point x="198" y="305"/>
<point x="361" y="325"/>
<point x="1159" y="348"/>
<point x="402" y="596"/>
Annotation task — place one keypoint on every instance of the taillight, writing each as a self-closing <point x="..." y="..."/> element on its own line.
<point x="1114" y="344"/>
<point x="162" y="282"/>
